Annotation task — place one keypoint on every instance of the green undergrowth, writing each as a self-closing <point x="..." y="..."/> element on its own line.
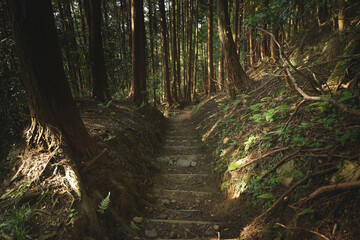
<point x="264" y="143"/>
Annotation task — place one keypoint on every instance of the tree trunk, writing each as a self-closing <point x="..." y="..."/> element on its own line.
<point x="341" y="16"/>
<point x="138" y="54"/>
<point x="211" y="81"/>
<point x="165" y="51"/>
<point x="189" y="51"/>
<point x="52" y="109"/>
<point x="178" y="64"/>
<point x="174" y="52"/>
<point x="152" y="55"/>
<point x="221" y="71"/>
<point x="193" y="94"/>
<point x="237" y="75"/>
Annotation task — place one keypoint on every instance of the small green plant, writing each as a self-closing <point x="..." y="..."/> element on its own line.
<point x="306" y="211"/>
<point x="348" y="136"/>
<point x="17" y="224"/>
<point x="101" y="105"/>
<point x="72" y="213"/>
<point x="104" y="204"/>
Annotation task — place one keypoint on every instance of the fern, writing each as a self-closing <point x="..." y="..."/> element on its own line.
<point x="104" y="204"/>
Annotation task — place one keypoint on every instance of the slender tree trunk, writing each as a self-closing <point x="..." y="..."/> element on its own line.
<point x="193" y="94"/>
<point x="341" y="16"/>
<point x="189" y="51"/>
<point x="138" y="84"/>
<point x="184" y="50"/>
<point x="152" y="55"/>
<point x="221" y="71"/>
<point x="174" y="52"/>
<point x="211" y="80"/>
<point x="178" y="64"/>
<point x="236" y="74"/>
<point x="165" y="50"/>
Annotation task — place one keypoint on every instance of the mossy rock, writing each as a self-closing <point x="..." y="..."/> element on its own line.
<point x="338" y="74"/>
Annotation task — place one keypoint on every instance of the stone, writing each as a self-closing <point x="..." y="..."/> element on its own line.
<point x="226" y="140"/>
<point x="183" y="162"/>
<point x="151" y="233"/>
<point x="193" y="164"/>
<point x="137" y="219"/>
<point x="173" y="201"/>
<point x="163" y="216"/>
<point x="348" y="173"/>
<point x="216" y="227"/>
<point x="133" y="226"/>
<point x="286" y="173"/>
<point x="165" y="202"/>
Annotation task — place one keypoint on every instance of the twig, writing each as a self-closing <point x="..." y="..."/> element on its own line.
<point x="305" y="229"/>
<point x="284" y="59"/>
<point x="331" y="188"/>
<point x="282" y="197"/>
<point x="92" y="162"/>
<point x="293" y="114"/>
<point x="267" y="154"/>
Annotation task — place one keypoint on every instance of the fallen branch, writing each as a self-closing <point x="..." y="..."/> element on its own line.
<point x="293" y="114"/>
<point x="283" y="196"/>
<point x="331" y="188"/>
<point x="286" y="62"/>
<point x="308" y="230"/>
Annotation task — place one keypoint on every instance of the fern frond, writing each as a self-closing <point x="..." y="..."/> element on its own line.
<point x="104" y="204"/>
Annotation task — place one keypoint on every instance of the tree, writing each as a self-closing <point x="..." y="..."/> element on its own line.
<point x="211" y="82"/>
<point x="237" y="75"/>
<point x="92" y="10"/>
<point x="138" y="84"/>
<point x="165" y="54"/>
<point x="174" y="52"/>
<point x="52" y="109"/>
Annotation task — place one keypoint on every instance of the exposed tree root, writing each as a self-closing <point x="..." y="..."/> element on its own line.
<point x="331" y="188"/>
<point x="304" y="229"/>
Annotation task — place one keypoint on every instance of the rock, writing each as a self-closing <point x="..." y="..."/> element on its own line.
<point x="170" y="140"/>
<point x="285" y="173"/>
<point x="216" y="227"/>
<point x="137" y="219"/>
<point x="184" y="141"/>
<point x="183" y="162"/>
<point x="133" y="226"/>
<point x="348" y="173"/>
<point x="173" y="201"/>
<point x="226" y="140"/>
<point x="151" y="233"/>
<point x="209" y="233"/>
<point x="193" y="163"/>
<point x="163" y="216"/>
<point x="165" y="202"/>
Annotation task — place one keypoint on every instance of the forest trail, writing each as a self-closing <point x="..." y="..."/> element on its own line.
<point x="185" y="188"/>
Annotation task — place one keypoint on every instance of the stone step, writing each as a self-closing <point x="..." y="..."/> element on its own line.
<point x="181" y="147"/>
<point x="175" y="221"/>
<point x="178" y="191"/>
<point x="183" y="160"/>
<point x="184" y="214"/>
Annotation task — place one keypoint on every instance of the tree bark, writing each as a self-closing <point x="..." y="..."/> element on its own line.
<point x="174" y="53"/>
<point x="211" y="81"/>
<point x="193" y="93"/>
<point x="138" y="54"/>
<point x="237" y="75"/>
<point x="221" y="71"/>
<point x="165" y="53"/>
<point x="189" y="50"/>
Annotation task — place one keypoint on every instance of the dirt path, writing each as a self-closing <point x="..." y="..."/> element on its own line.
<point x="185" y="189"/>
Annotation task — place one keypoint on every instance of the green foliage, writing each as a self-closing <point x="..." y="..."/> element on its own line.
<point x="100" y="105"/>
<point x="17" y="223"/>
<point x="104" y="204"/>
<point x="306" y="211"/>
<point x="348" y="136"/>
<point x="265" y="196"/>
<point x="72" y="213"/>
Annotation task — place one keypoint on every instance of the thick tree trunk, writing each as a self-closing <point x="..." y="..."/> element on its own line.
<point x="165" y="51"/>
<point x="178" y="64"/>
<point x="52" y="109"/>
<point x="237" y="75"/>
<point x="138" y="54"/>
<point x="152" y="54"/>
<point x="96" y="50"/>
<point x="211" y="80"/>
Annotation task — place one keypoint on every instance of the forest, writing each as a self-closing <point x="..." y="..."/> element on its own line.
<point x="180" y="119"/>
